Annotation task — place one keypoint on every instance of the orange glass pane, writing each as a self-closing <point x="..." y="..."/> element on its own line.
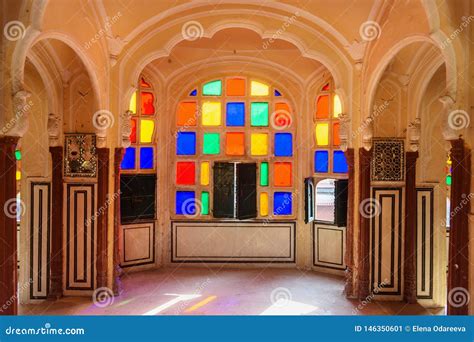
<point x="235" y="87"/>
<point x="234" y="144"/>
<point x="133" y="135"/>
<point x="282" y="174"/>
<point x="147" y="103"/>
<point x="144" y="84"/>
<point x="335" y="134"/>
<point x="322" y="107"/>
<point x="282" y="106"/>
<point x="187" y="114"/>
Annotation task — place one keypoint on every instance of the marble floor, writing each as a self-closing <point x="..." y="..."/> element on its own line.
<point x="214" y="291"/>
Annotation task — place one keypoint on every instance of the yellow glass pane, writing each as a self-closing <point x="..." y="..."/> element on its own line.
<point x="146" y="131"/>
<point x="258" y="89"/>
<point x="133" y="103"/>
<point x="18" y="175"/>
<point x="263" y="204"/>
<point x="205" y="173"/>
<point x="259" y="144"/>
<point x="322" y="134"/>
<point x="337" y="107"/>
<point x="211" y="113"/>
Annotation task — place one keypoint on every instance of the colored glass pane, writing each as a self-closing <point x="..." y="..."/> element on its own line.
<point x="148" y="99"/>
<point x="185" y="203"/>
<point x="339" y="162"/>
<point x="283" y="145"/>
<point x="194" y="92"/>
<point x="133" y="103"/>
<point x="322" y="107"/>
<point x="259" y="113"/>
<point x="17" y="154"/>
<point x="144" y="84"/>
<point x="336" y="140"/>
<point x="264" y="174"/>
<point x="235" y="144"/>
<point x="325" y="87"/>
<point x="449" y="180"/>
<point x="264" y="204"/>
<point x="133" y="134"/>
<point x="211" y="113"/>
<point x="146" y="130"/>
<point x="235" y="114"/>
<point x="258" y="89"/>
<point x="146" y="158"/>
<point x="211" y="143"/>
<point x="282" y="107"/>
<point x="321" y="161"/>
<point x="205" y="203"/>
<point x="259" y="144"/>
<point x="337" y="106"/>
<point x="186" y="143"/>
<point x="128" y="161"/>
<point x="18" y="175"/>
<point x="322" y="134"/>
<point x="205" y="173"/>
<point x="277" y="93"/>
<point x="235" y="87"/>
<point x="213" y="88"/>
<point x="282" y="203"/>
<point x="187" y="114"/>
<point x="185" y="173"/>
<point x="282" y="174"/>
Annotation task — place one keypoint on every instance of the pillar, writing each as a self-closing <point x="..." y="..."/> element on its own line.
<point x="365" y="158"/>
<point x="101" y="217"/>
<point x="118" y="156"/>
<point x="349" y="257"/>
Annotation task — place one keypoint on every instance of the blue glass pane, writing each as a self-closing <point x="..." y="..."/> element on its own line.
<point x="186" y="143"/>
<point x="340" y="163"/>
<point x="185" y="203"/>
<point x="193" y="93"/>
<point x="282" y="203"/>
<point x="146" y="158"/>
<point x="321" y="161"/>
<point x="128" y="161"/>
<point x="235" y="114"/>
<point x="283" y="145"/>
<point x="277" y="93"/>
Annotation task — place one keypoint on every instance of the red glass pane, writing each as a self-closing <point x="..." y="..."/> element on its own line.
<point x="147" y="103"/>
<point x="335" y="134"/>
<point x="185" y="173"/>
<point x="326" y="87"/>
<point x="322" y="107"/>
<point x="133" y="135"/>
<point x="144" y="84"/>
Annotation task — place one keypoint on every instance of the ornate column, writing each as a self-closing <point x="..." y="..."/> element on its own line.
<point x="56" y="254"/>
<point x="410" y="213"/>
<point x="13" y="130"/>
<point x="365" y="158"/>
<point x="349" y="153"/>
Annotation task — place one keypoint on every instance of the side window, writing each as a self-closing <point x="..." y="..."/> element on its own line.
<point x="137" y="199"/>
<point x="331" y="201"/>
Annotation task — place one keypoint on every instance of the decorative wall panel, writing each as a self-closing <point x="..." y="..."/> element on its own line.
<point x="80" y="155"/>
<point x="388" y="161"/>
<point x="329" y="246"/>
<point x="233" y="242"/>
<point x="137" y="243"/>
<point x="424" y="243"/>
<point x="40" y="230"/>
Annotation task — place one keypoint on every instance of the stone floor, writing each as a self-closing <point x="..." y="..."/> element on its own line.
<point x="203" y="291"/>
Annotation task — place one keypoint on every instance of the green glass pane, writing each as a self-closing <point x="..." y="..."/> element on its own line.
<point x="18" y="155"/>
<point x="211" y="143"/>
<point x="264" y="174"/>
<point x="259" y="113"/>
<point x="213" y="88"/>
<point x="448" y="180"/>
<point x="205" y="203"/>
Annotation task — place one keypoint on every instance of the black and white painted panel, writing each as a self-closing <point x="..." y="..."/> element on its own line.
<point x="40" y="232"/>
<point x="329" y="246"/>
<point x="80" y="236"/>
<point x="386" y="242"/>
<point x="424" y="243"/>
<point x="233" y="242"/>
<point x="137" y="244"/>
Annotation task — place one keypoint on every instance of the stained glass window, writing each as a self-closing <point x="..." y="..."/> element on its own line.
<point x="234" y="120"/>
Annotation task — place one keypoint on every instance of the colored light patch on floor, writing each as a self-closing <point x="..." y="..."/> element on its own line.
<point x="201" y="304"/>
